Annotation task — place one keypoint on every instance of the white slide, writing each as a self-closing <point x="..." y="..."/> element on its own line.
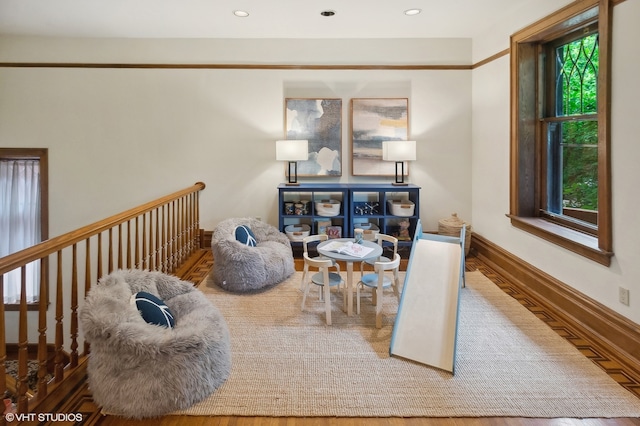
<point x="426" y="325"/>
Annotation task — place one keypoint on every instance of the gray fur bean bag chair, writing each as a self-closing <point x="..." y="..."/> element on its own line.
<point x="238" y="267"/>
<point x="137" y="369"/>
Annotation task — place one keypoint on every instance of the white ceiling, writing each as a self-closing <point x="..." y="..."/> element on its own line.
<point x="267" y="19"/>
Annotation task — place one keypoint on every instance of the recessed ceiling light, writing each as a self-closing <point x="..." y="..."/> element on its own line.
<point x="411" y="12"/>
<point x="241" y="13"/>
<point x="328" y="12"/>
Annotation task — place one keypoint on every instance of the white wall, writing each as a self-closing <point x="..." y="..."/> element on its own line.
<point x="453" y="51"/>
<point x="496" y="39"/>
<point x="490" y="174"/>
<point x="120" y="137"/>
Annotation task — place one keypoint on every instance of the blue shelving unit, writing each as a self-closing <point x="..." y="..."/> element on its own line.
<point x="360" y="202"/>
<point x="364" y="197"/>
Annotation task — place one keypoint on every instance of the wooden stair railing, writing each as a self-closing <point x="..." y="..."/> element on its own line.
<point x="159" y="235"/>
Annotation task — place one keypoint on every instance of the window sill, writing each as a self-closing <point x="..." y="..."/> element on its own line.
<point x="575" y="241"/>
<point x="16" y="306"/>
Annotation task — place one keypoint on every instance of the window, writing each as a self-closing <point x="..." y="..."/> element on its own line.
<point x="560" y="177"/>
<point x="570" y="130"/>
<point x="23" y="214"/>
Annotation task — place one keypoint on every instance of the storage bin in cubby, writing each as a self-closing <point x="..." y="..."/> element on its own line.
<point x="403" y="208"/>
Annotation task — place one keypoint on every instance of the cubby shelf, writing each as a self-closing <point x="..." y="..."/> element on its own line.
<point x="360" y="203"/>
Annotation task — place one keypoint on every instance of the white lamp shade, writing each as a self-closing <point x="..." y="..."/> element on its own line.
<point x="399" y="150"/>
<point x="292" y="150"/>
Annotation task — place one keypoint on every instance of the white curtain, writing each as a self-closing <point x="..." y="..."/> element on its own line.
<point x="20" y="222"/>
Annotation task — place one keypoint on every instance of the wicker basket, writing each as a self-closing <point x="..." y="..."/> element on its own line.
<point x="451" y="226"/>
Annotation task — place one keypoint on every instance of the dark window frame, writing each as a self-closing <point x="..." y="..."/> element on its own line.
<point x="527" y="174"/>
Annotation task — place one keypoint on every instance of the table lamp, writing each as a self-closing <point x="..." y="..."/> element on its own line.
<point x="399" y="151"/>
<point x="292" y="150"/>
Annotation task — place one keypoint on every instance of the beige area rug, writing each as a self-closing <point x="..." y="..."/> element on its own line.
<point x="289" y="363"/>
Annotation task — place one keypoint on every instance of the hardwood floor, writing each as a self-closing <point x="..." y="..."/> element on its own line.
<point x="360" y="421"/>
<point x="80" y="400"/>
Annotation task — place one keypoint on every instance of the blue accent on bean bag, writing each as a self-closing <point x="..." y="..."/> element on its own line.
<point x="153" y="309"/>
<point x="245" y="236"/>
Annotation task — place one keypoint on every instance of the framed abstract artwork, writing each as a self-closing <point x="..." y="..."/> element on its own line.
<point x="320" y="122"/>
<point x="374" y="120"/>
